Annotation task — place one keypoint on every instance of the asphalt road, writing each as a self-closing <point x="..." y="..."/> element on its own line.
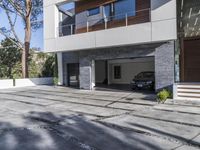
<point x="57" y="118"/>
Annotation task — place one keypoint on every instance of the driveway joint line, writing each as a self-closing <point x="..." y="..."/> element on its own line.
<point x="170" y="121"/>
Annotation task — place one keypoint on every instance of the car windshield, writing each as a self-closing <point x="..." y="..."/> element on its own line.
<point x="145" y="75"/>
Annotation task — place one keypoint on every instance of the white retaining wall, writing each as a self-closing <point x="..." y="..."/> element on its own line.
<point x="33" y="82"/>
<point x="4" y="84"/>
<point x="7" y="83"/>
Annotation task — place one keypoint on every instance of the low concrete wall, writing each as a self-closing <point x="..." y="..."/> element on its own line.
<point x="33" y="82"/>
<point x="7" y="83"/>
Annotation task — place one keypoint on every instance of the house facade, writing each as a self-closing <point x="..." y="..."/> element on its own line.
<point x="111" y="41"/>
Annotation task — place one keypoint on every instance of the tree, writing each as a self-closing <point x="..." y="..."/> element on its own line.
<point x="49" y="67"/>
<point x="29" y="12"/>
<point x="10" y="55"/>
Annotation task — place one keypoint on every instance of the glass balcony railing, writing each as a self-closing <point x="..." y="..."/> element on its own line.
<point x="104" y="22"/>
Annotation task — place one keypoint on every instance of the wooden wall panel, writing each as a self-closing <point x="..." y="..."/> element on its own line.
<point x="191" y="60"/>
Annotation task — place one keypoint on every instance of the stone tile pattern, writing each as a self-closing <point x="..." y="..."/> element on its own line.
<point x="164" y="65"/>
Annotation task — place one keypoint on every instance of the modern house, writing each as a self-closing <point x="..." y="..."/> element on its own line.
<point x="111" y="41"/>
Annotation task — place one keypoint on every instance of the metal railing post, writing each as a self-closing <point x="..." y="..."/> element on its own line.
<point x="58" y="31"/>
<point x="149" y="15"/>
<point x="87" y="26"/>
<point x="71" y="29"/>
<point x="106" y="25"/>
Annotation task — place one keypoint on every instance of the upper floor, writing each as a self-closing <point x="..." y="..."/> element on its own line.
<point x="78" y="25"/>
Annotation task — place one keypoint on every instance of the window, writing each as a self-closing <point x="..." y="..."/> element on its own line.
<point x="93" y="11"/>
<point x="123" y="7"/>
<point x="66" y="18"/>
<point x="108" y="10"/>
<point x="117" y="72"/>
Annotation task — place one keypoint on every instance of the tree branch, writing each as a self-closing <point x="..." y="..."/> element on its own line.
<point x="17" y="44"/>
<point x="12" y="26"/>
<point x="17" y="8"/>
<point x="29" y="9"/>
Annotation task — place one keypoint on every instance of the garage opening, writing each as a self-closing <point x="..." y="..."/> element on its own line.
<point x="119" y="73"/>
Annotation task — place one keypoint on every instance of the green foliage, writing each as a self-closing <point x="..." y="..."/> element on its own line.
<point x="56" y="67"/>
<point x="163" y="95"/>
<point x="40" y="64"/>
<point x="33" y="69"/>
<point x="48" y="67"/>
<point x="10" y="55"/>
<point x="17" y="71"/>
<point x="55" y="80"/>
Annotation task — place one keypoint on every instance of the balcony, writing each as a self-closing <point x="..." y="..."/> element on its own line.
<point x="104" y="23"/>
<point x="144" y="25"/>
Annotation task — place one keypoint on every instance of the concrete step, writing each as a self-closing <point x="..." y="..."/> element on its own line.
<point x="188" y="91"/>
<point x="188" y="95"/>
<point x="188" y="98"/>
<point x="188" y="86"/>
<point x="195" y="95"/>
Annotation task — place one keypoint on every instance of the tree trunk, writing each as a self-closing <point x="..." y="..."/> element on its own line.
<point x="27" y="39"/>
<point x="25" y="54"/>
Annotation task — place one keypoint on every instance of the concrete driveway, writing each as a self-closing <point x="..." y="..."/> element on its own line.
<point x="57" y="118"/>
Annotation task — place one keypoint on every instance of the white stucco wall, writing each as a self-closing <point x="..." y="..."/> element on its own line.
<point x="162" y="27"/>
<point x="163" y="10"/>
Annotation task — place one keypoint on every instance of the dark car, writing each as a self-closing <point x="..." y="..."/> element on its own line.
<point x="144" y="80"/>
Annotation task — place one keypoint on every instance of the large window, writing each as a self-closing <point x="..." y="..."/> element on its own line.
<point x="93" y="11"/>
<point x="108" y="10"/>
<point x="123" y="7"/>
<point x="66" y="18"/>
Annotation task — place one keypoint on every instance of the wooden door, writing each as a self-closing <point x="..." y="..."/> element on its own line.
<point x="192" y="60"/>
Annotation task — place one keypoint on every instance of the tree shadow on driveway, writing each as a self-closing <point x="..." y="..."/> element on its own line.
<point x="169" y="135"/>
<point x="73" y="132"/>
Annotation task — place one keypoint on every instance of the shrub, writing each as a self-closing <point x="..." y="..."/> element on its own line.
<point x="163" y="95"/>
<point x="55" y="81"/>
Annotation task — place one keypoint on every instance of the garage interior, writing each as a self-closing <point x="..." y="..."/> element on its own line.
<point x="118" y="73"/>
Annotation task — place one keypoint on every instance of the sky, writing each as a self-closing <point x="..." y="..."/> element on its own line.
<point x="37" y="36"/>
<point x="67" y="6"/>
